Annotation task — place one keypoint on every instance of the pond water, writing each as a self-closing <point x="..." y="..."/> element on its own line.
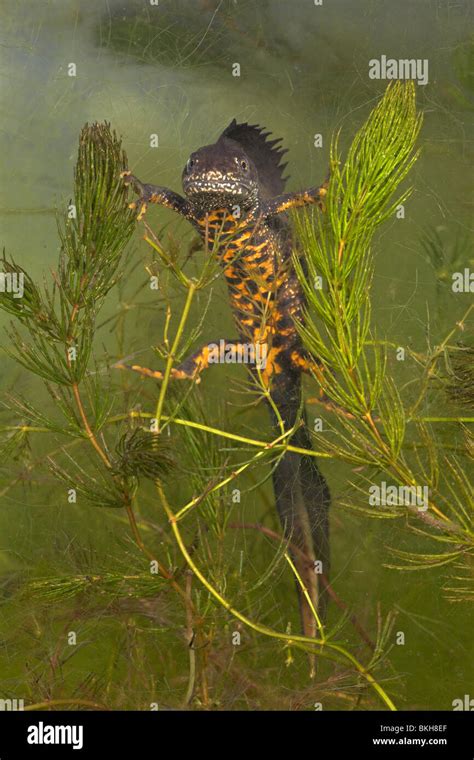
<point x="169" y="70"/>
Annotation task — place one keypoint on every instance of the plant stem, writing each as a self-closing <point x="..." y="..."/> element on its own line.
<point x="171" y="357"/>
<point x="87" y="427"/>
<point x="57" y="702"/>
<point x="133" y="414"/>
<point x="263" y="629"/>
<point x="179" y="515"/>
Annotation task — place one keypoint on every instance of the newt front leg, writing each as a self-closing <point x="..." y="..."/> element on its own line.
<point x="154" y="194"/>
<point x="287" y="201"/>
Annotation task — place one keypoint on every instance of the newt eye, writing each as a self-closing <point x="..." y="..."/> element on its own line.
<point x="189" y="164"/>
<point x="244" y="165"/>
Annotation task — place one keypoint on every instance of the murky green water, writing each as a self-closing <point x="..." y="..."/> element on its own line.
<point x="303" y="70"/>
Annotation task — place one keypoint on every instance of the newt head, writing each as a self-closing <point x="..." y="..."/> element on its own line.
<point x="220" y="176"/>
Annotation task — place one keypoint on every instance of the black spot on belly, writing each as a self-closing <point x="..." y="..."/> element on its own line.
<point x="252" y="286"/>
<point x="284" y="322"/>
<point x="278" y="340"/>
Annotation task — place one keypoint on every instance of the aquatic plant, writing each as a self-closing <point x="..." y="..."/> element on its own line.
<point x="125" y="447"/>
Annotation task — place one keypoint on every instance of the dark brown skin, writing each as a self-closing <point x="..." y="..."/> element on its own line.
<point x="234" y="198"/>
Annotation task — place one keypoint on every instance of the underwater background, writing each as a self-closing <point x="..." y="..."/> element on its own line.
<point x="168" y="70"/>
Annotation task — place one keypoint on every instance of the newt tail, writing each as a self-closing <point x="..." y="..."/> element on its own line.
<point x="234" y="197"/>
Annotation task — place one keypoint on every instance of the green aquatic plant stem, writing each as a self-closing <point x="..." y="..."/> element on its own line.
<point x="63" y="703"/>
<point x="133" y="414"/>
<point x="403" y="476"/>
<point x="172" y="355"/>
<point x="197" y="499"/>
<point x="308" y="644"/>
<point x="443" y="419"/>
<point x="304" y="590"/>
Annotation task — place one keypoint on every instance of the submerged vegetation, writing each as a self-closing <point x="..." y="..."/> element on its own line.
<point x="171" y="474"/>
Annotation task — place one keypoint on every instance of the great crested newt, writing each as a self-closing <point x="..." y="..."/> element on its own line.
<point x="234" y="196"/>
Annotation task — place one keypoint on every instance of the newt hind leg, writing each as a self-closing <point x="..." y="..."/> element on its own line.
<point x="305" y="363"/>
<point x="190" y="368"/>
